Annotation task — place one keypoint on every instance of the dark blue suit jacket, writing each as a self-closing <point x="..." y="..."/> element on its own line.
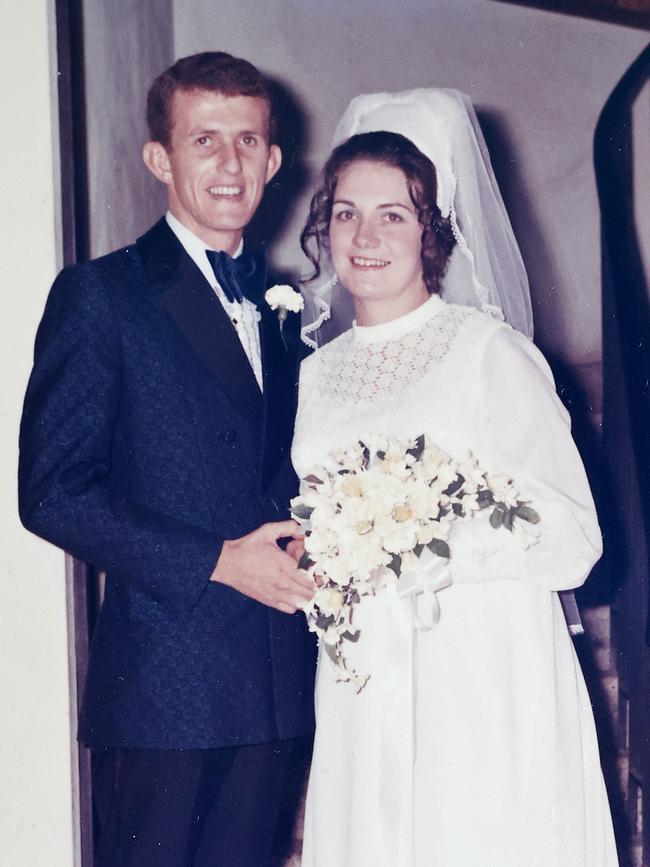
<point x="145" y="443"/>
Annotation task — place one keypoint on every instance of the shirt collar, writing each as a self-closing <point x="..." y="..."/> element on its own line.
<point x="195" y="247"/>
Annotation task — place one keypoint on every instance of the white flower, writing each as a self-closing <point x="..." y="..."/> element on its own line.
<point x="331" y="636"/>
<point x="321" y="541"/>
<point x="323" y="516"/>
<point x="351" y="486"/>
<point x="376" y="442"/>
<point x="382" y="577"/>
<point x="365" y="588"/>
<point x="445" y="475"/>
<point x="357" y="511"/>
<point x="470" y="503"/>
<point x="397" y="536"/>
<point x="329" y="601"/>
<point x="442" y="527"/>
<point x="426" y="534"/>
<point x="409" y="562"/>
<point x="471" y="472"/>
<point x="525" y="533"/>
<point x="419" y="497"/>
<point x="503" y="490"/>
<point x="431" y="462"/>
<point x="284" y="296"/>
<point x="309" y="499"/>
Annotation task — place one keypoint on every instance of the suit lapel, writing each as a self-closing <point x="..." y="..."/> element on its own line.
<point x="196" y="311"/>
<point x="279" y="396"/>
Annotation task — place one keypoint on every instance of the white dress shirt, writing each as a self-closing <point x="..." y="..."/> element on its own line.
<point x="244" y="316"/>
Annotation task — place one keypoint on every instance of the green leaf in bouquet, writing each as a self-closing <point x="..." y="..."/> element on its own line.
<point x="343" y="472"/>
<point x="396" y="564"/>
<point x="455" y="485"/>
<point x="527" y="514"/>
<point x="485" y="498"/>
<point x="305" y="561"/>
<point x="366" y="455"/>
<point x="351" y="636"/>
<point x="496" y="518"/>
<point x="508" y="519"/>
<point x="324" y="620"/>
<point x="302" y="512"/>
<point x="313" y="480"/>
<point x="332" y="652"/>
<point x="440" y="548"/>
<point x="457" y="509"/>
<point x="417" y="449"/>
<point x="381" y="454"/>
<point x="418" y="550"/>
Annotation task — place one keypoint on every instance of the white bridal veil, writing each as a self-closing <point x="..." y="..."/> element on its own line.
<point x="486" y="269"/>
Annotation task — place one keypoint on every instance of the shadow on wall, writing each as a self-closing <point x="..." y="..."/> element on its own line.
<point x="586" y="428"/>
<point x="283" y="193"/>
<point x="542" y="272"/>
<point x="528" y="228"/>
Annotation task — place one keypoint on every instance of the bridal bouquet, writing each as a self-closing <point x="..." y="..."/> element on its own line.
<point x="370" y="513"/>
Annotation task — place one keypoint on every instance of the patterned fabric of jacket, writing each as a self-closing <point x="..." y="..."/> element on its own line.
<point x="145" y="443"/>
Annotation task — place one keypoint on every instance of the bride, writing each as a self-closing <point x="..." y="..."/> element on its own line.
<point x="472" y="743"/>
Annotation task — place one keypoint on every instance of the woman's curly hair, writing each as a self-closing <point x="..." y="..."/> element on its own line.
<point x="396" y="151"/>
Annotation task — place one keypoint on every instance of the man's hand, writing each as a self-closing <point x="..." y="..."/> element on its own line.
<point x="257" y="567"/>
<point x="296" y="548"/>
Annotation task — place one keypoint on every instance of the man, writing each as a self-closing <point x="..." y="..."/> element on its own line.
<point x="155" y="445"/>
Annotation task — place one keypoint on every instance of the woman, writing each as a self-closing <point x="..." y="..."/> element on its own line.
<point x="472" y="743"/>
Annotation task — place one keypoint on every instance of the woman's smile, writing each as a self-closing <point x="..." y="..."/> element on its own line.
<point x="365" y="264"/>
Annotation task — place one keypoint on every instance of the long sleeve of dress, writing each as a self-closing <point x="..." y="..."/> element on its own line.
<point x="526" y="435"/>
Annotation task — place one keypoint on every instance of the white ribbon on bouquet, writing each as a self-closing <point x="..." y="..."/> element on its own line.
<point x="415" y="609"/>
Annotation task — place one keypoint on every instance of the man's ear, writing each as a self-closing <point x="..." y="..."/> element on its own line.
<point x="156" y="160"/>
<point x="274" y="163"/>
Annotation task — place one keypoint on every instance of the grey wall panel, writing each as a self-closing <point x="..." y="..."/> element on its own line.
<point x="126" y="45"/>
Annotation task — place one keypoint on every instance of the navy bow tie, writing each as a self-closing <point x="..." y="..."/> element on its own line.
<point x="243" y="277"/>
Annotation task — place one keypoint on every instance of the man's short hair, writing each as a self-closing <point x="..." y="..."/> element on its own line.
<point x="211" y="70"/>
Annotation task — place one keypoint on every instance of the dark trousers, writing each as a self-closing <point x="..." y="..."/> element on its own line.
<point x="230" y="807"/>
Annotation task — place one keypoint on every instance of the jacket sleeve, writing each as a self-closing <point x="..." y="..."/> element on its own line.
<point x="65" y="490"/>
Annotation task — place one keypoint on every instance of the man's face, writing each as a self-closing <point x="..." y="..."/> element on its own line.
<point x="217" y="163"/>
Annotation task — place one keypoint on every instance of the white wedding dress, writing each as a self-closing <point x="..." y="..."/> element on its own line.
<point x="473" y="743"/>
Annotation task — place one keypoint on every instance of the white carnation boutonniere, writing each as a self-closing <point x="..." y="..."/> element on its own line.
<point x="284" y="299"/>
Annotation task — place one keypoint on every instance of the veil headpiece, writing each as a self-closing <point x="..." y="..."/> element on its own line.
<point x="486" y="269"/>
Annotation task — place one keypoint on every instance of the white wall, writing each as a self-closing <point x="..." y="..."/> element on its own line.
<point x="36" y="828"/>
<point x="542" y="77"/>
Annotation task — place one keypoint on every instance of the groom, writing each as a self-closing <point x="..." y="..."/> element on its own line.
<point x="155" y="445"/>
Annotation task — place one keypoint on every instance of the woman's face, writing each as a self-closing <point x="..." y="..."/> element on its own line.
<point x="375" y="241"/>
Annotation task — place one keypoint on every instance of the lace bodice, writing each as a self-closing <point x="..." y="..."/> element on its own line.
<point x="364" y="363"/>
<point x="472" y="384"/>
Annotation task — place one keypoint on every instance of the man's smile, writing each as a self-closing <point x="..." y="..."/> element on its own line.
<point x="226" y="191"/>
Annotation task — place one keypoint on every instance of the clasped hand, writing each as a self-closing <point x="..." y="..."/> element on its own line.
<point x="256" y="566"/>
